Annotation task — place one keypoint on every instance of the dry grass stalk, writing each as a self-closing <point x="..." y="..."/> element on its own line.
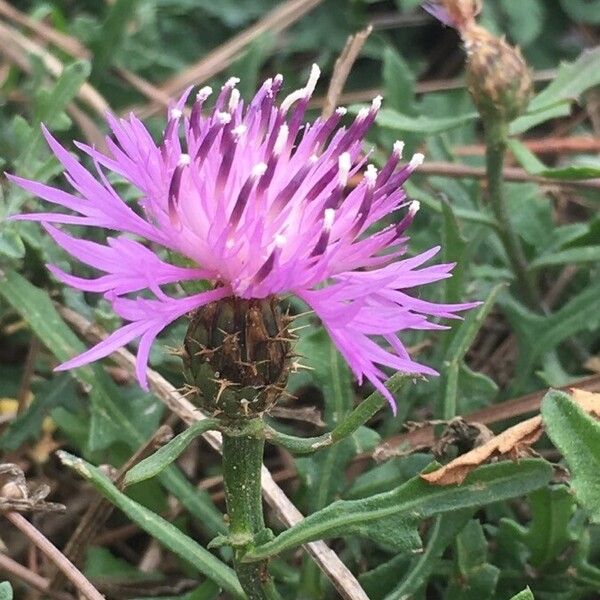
<point x="342" y="68"/>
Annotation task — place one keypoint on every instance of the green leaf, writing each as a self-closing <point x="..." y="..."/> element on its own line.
<point x="398" y="82"/>
<point x="476" y="579"/>
<point x="36" y="308"/>
<point x="539" y="335"/>
<point x="577" y="436"/>
<point x="392" y="518"/>
<point x="397" y="121"/>
<point x="579" y="254"/>
<point x="533" y="165"/>
<point x="547" y="534"/>
<point x="169" y="453"/>
<point x="586" y="11"/>
<point x="11" y="244"/>
<point x="167" y="534"/>
<point x="526" y="594"/>
<point x="6" y="591"/>
<point x="570" y="82"/>
<point x="28" y="424"/>
<point x="443" y="532"/>
<point x="112" y="33"/>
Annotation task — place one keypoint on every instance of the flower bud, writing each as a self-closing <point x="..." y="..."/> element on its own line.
<point x="236" y="356"/>
<point x="498" y="77"/>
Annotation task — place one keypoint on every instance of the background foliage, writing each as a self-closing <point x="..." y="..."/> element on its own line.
<point x="105" y="54"/>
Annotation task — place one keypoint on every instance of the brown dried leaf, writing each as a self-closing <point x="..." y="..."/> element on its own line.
<point x="588" y="401"/>
<point x="514" y="443"/>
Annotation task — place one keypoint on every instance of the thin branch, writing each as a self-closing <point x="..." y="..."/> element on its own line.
<point x="342" y="68"/>
<point x="341" y="577"/>
<point x="30" y="578"/>
<point x="447" y="169"/>
<point x="85" y="588"/>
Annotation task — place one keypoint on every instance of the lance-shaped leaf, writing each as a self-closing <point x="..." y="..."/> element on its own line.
<point x="392" y="518"/>
<point x="170" y="452"/>
<point x="577" y="436"/>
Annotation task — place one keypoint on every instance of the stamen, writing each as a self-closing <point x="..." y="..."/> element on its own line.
<point x="281" y="140"/>
<point x="416" y="161"/>
<point x="321" y="245"/>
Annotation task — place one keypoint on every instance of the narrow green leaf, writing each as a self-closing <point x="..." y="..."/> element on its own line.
<point x="393" y="517"/>
<point x="169" y="453"/>
<point x="571" y="81"/>
<point x="443" y="532"/>
<point x="577" y="436"/>
<point x="392" y="119"/>
<point x="526" y="594"/>
<point x="579" y="254"/>
<point x="187" y="549"/>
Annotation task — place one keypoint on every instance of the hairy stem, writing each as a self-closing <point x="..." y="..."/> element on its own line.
<point x="495" y="137"/>
<point x="242" y="461"/>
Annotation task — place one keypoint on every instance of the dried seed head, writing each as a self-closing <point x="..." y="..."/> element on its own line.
<point x="236" y="356"/>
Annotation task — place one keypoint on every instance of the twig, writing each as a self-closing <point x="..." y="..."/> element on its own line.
<point x="447" y="169"/>
<point x="341" y="577"/>
<point x="55" y="555"/>
<point x="221" y="57"/>
<point x="550" y="145"/>
<point x="342" y="67"/>
<point x="30" y="578"/>
<point x="69" y="44"/>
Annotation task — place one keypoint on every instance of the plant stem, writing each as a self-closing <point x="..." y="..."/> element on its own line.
<point x="242" y="462"/>
<point x="496" y="132"/>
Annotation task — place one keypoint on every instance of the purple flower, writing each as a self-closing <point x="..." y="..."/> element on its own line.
<point x="258" y="203"/>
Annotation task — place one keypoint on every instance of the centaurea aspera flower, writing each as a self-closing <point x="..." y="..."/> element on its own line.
<point x="259" y="203"/>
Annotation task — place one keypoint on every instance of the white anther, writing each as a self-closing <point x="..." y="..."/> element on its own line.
<point x="238" y="131"/>
<point x="280" y="240"/>
<point x="363" y="113"/>
<point x="341" y="111"/>
<point x="413" y="208"/>
<point x="344" y="164"/>
<point x="175" y="113"/>
<point x="416" y="161"/>
<point x="184" y="160"/>
<point x="231" y="82"/>
<point x="223" y="118"/>
<point x="259" y="169"/>
<point x="204" y="93"/>
<point x="281" y="140"/>
<point x="398" y="148"/>
<point x="234" y="99"/>
<point x="328" y="218"/>
<point x="313" y="158"/>
<point x="376" y="103"/>
<point x="371" y="175"/>
<point x="315" y="73"/>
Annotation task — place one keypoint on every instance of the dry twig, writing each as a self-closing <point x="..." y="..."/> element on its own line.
<point x="85" y="588"/>
<point x="342" y="67"/>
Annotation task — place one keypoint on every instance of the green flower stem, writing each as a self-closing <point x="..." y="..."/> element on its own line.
<point x="496" y="135"/>
<point x="242" y="462"/>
